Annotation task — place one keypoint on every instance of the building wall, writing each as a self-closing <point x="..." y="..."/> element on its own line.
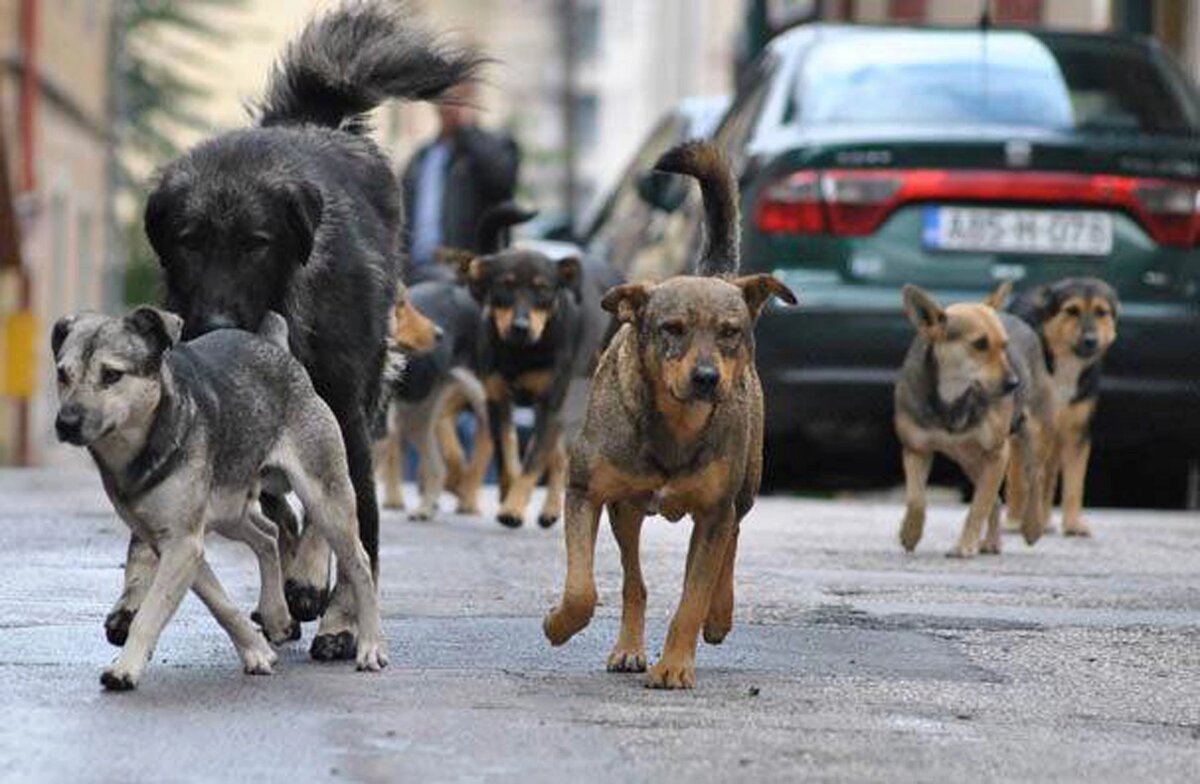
<point x="63" y="228"/>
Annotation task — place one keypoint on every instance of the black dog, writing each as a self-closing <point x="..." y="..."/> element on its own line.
<point x="301" y="215"/>
<point x="543" y="328"/>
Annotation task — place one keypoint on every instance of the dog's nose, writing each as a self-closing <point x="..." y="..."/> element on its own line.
<point x="1089" y="344"/>
<point x="438" y="332"/>
<point x="705" y="379"/>
<point x="1011" y="382"/>
<point x="68" y="425"/>
<point x="520" y="327"/>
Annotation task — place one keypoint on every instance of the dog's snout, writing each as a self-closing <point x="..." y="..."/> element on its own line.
<point x="705" y="379"/>
<point x="68" y="425"/>
<point x="520" y="326"/>
<point x="1011" y="382"/>
<point x="1088" y="344"/>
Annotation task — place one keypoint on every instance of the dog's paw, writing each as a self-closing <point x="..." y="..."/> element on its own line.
<point x="564" y="621"/>
<point x="287" y="630"/>
<point x="989" y="547"/>
<point x="1032" y="531"/>
<point x="910" y="531"/>
<point x="671" y="675"/>
<point x="334" y="647"/>
<point x="394" y="504"/>
<point x="116" y="626"/>
<point x="464" y="508"/>
<point x="627" y="660"/>
<point x="372" y="656"/>
<point x="1077" y="528"/>
<point x="715" y="632"/>
<point x="258" y="661"/>
<point x="546" y="520"/>
<point x="509" y="520"/>
<point x="116" y="678"/>
<point x="422" y="515"/>
<point x="961" y="550"/>
<point x="305" y="602"/>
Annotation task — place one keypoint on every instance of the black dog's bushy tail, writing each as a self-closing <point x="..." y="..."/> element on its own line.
<point x="495" y="223"/>
<point x="707" y="164"/>
<point x="348" y="61"/>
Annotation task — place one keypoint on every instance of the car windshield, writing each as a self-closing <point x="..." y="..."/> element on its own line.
<point x="1001" y="78"/>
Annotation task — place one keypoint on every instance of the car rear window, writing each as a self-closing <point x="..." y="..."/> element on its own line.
<point x="999" y="78"/>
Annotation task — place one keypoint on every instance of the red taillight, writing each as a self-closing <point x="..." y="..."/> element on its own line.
<point x="855" y="202"/>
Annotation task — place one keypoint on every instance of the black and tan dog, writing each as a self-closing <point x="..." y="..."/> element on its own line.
<point x="674" y="426"/>
<point x="1076" y="320"/>
<point x="973" y="388"/>
<point x="542" y="328"/>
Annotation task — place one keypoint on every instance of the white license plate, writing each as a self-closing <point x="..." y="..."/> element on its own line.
<point x="1057" y="232"/>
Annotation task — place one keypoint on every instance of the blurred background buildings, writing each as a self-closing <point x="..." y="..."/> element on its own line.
<point x="578" y="82"/>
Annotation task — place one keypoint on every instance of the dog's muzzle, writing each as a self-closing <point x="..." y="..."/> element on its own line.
<point x="1087" y="347"/>
<point x="68" y="425"/>
<point x="705" y="379"/>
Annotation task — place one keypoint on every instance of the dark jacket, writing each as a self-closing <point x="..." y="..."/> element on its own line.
<point x="482" y="172"/>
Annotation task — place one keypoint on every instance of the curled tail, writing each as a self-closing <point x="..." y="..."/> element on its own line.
<point x="348" y="61"/>
<point x="707" y="164"/>
<point x="495" y="223"/>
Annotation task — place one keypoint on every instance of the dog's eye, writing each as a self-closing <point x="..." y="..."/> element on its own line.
<point x="1072" y="311"/>
<point x="63" y="376"/>
<point x="980" y="344"/>
<point x="1101" y="312"/>
<point x="728" y="332"/>
<point x="673" y="328"/>
<point x="192" y="240"/>
<point x="110" y="376"/>
<point x="256" y="241"/>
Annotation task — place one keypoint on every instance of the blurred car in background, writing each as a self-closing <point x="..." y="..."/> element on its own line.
<point x="872" y="157"/>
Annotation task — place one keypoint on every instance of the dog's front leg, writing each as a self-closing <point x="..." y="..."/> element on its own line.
<point x="504" y="439"/>
<point x="916" y="477"/>
<point x="1077" y="449"/>
<point x="140" y="562"/>
<point x="574" y="611"/>
<point x="546" y="436"/>
<point x="306" y="578"/>
<point x="987" y="475"/>
<point x="258" y="532"/>
<point x="556" y="483"/>
<point x="180" y="556"/>
<point x="629" y="652"/>
<point x="711" y="534"/>
<point x="720" y="611"/>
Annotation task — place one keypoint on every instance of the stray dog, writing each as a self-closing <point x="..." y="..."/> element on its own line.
<point x="301" y="215"/>
<point x="674" y="425"/>
<point x="426" y="396"/>
<point x="182" y="434"/>
<point x="973" y="388"/>
<point x="1076" y="320"/>
<point x="542" y="327"/>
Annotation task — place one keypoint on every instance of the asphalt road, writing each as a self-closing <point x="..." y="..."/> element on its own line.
<point x="849" y="660"/>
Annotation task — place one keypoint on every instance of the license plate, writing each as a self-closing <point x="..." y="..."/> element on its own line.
<point x="1052" y="232"/>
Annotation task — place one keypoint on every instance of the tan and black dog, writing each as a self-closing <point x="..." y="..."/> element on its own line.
<point x="674" y="425"/>
<point x="1076" y="320"/>
<point x="973" y="388"/>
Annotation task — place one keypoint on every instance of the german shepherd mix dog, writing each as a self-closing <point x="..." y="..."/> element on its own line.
<point x="543" y="326"/>
<point x="1076" y="320"/>
<point x="301" y="215"/>
<point x="674" y="425"/>
<point x="973" y="388"/>
<point x="435" y="375"/>
<point x="182" y="433"/>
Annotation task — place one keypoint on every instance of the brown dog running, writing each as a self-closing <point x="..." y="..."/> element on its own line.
<point x="673" y="426"/>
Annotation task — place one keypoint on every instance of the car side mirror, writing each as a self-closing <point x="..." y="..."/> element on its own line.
<point x="661" y="191"/>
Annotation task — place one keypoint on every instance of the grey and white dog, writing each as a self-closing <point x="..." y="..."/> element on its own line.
<point x="184" y="435"/>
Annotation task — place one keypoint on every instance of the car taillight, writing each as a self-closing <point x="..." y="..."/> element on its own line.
<point x="1172" y="212"/>
<point x="856" y="202"/>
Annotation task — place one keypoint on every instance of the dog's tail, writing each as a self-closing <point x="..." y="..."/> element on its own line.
<point x="492" y="234"/>
<point x="708" y="165"/>
<point x="348" y="61"/>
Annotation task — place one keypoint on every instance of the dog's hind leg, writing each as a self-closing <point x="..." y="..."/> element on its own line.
<point x="140" y="562"/>
<point x="431" y="470"/>
<point x="629" y="652"/>
<point x="453" y="456"/>
<point x="987" y="474"/>
<point x="306" y="578"/>
<point x="916" y="476"/>
<point x="711" y="533"/>
<point x="390" y="457"/>
<point x="256" y="655"/>
<point x="258" y="532"/>
<point x="720" y="609"/>
<point x="556" y="484"/>
<point x="277" y="510"/>
<point x="1017" y="491"/>
<point x="481" y="453"/>
<point x="1031" y="455"/>
<point x="574" y="610"/>
<point x="180" y="556"/>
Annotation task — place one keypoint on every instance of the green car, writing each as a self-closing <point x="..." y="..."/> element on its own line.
<point x="871" y="157"/>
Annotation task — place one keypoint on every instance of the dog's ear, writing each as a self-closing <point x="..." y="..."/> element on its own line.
<point x="158" y="218"/>
<point x="999" y="296"/>
<point x="458" y="260"/>
<point x="479" y="277"/>
<point x="924" y="312"/>
<point x="303" y="205"/>
<point x="758" y="290"/>
<point x="159" y="328"/>
<point x="58" y="335"/>
<point x="626" y="302"/>
<point x="570" y="276"/>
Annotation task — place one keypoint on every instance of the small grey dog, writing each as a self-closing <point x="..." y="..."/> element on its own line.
<point x="184" y="434"/>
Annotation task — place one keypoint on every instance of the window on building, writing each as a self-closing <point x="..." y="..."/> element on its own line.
<point x="85" y="259"/>
<point x="60" y="284"/>
<point x="587" y="121"/>
<point x="587" y="31"/>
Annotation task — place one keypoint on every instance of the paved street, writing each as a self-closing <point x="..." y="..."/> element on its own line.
<point x="850" y="661"/>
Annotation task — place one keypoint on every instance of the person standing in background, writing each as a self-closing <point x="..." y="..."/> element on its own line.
<point x="451" y="181"/>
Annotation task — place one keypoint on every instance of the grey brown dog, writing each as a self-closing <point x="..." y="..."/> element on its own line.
<point x="973" y="388"/>
<point x="183" y="434"/>
<point x="674" y="426"/>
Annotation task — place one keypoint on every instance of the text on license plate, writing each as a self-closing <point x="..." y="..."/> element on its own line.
<point x="1060" y="232"/>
